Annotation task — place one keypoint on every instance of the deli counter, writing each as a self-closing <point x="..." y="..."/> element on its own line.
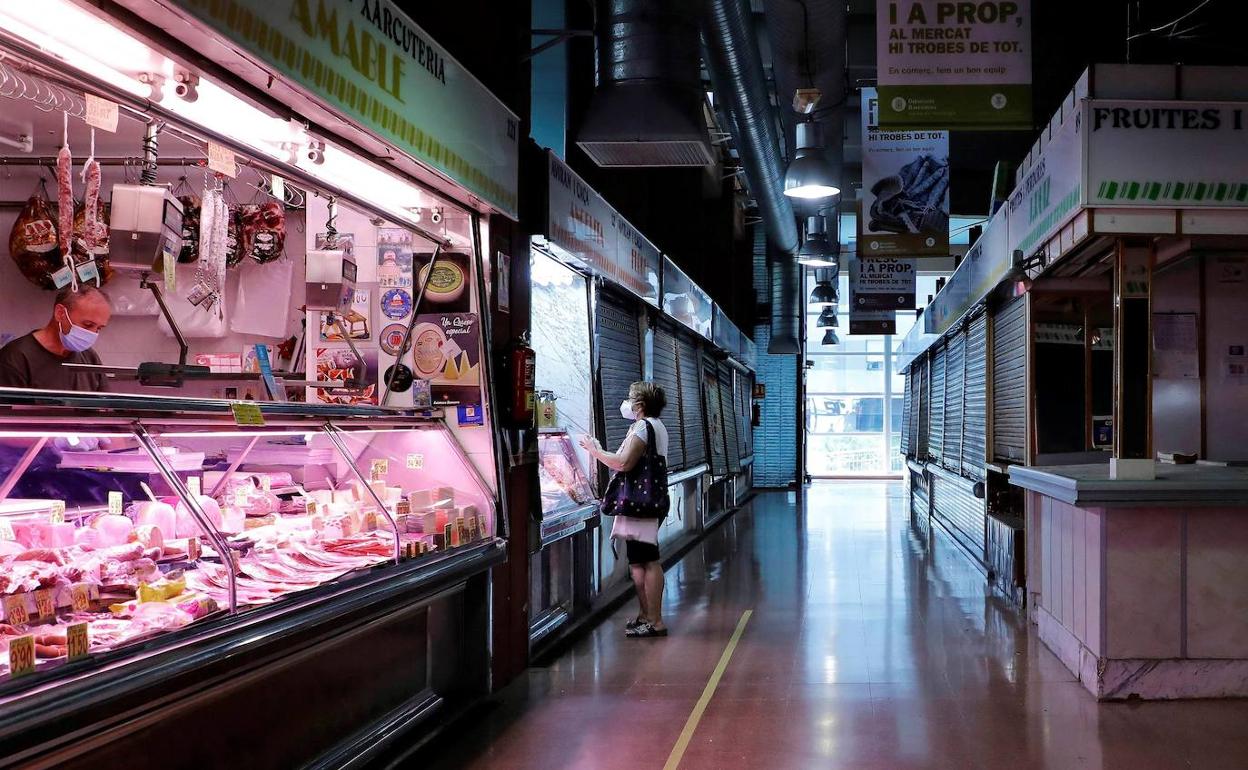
<point x="170" y="563"/>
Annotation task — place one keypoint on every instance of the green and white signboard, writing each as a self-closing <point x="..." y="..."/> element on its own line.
<point x="951" y="65"/>
<point x="372" y="63"/>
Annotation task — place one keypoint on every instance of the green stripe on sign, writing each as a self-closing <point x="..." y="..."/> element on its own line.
<point x="1154" y="189"/>
<point x="1100" y="193"/>
<point x="1178" y="191"/>
<point x="1165" y="193"/>
<point x="1221" y="192"/>
<point x="1134" y="191"/>
<point x="1201" y="188"/>
<point x="1113" y="191"/>
<point x="1242" y="192"/>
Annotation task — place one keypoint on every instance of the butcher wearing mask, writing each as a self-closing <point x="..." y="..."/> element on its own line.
<point x="35" y="360"/>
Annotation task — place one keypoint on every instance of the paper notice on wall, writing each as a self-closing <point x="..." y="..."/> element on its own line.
<point x="905" y="189"/>
<point x="1175" y="344"/>
<point x="1235" y="365"/>
<point x="954" y="65"/>
<point x="101" y="113"/>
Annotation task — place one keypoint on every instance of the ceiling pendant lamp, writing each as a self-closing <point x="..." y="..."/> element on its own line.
<point x="830" y="338"/>
<point x="818" y="250"/>
<point x="810" y="176"/>
<point x="827" y="319"/>
<point x="824" y="292"/>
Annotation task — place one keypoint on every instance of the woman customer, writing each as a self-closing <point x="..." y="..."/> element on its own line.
<point x="640" y="534"/>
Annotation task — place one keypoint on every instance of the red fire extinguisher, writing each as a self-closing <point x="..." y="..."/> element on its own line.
<point x="521" y="362"/>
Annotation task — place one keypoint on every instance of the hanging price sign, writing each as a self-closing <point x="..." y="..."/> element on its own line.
<point x="114" y="502"/>
<point x="247" y="413"/>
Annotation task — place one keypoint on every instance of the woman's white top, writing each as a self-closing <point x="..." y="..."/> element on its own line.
<point x="660" y="433"/>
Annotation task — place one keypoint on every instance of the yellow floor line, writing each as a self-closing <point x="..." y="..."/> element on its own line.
<point x="678" y="751"/>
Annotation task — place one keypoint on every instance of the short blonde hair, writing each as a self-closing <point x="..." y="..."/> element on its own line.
<point x="648" y="396"/>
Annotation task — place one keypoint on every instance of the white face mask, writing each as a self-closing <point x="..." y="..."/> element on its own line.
<point x="626" y="410"/>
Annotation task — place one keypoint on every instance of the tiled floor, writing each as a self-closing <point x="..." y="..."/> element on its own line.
<point x="866" y="648"/>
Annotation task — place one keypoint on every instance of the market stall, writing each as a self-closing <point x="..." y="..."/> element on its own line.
<point x="279" y="453"/>
<point x="1111" y="501"/>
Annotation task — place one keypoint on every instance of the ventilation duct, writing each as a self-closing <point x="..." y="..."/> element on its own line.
<point x="737" y="71"/>
<point x="647" y="110"/>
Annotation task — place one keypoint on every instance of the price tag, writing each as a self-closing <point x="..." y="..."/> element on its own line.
<point x="80" y="597"/>
<point x="114" y="502"/>
<point x="45" y="603"/>
<point x="221" y="159"/>
<point x="247" y="413"/>
<point x="79" y="643"/>
<point x="169" y="269"/>
<point x="87" y="271"/>
<point x="240" y="497"/>
<point x="370" y="521"/>
<point x="57" y="516"/>
<point x="194" y="485"/>
<point x="415" y="462"/>
<point x="6" y="529"/>
<point x="101" y="114"/>
<point x="192" y="549"/>
<point x="15" y="612"/>
<point x="21" y="656"/>
<point x="62" y="278"/>
<point x="380" y="468"/>
<point x="266" y="483"/>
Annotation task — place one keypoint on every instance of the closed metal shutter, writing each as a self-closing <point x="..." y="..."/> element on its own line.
<point x="618" y="345"/>
<point x="955" y="378"/>
<point x="714" y="418"/>
<point x="667" y="377"/>
<point x="919" y="497"/>
<point x="1009" y="381"/>
<point x="728" y="403"/>
<point x="962" y="513"/>
<point x="747" y="412"/>
<point x="974" y="416"/>
<point x="693" y="420"/>
<point x="740" y="396"/>
<point x="936" y="436"/>
<point x="907" y="406"/>
<point x="925" y="406"/>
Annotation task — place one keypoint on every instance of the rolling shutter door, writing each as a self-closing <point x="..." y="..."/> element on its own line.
<point x="692" y="417"/>
<point x="936" y="435"/>
<point x="619" y="359"/>
<point x="714" y="418"/>
<point x="1009" y="381"/>
<point x="955" y="379"/>
<point x="975" y="416"/>
<point x="963" y="514"/>
<point x="907" y="406"/>
<point x="925" y="406"/>
<point x="667" y="377"/>
<point x="728" y="402"/>
<point x="747" y="413"/>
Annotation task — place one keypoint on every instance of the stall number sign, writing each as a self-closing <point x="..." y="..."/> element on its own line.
<point x="114" y="502"/>
<point x="78" y="642"/>
<point x="379" y="469"/>
<point x="15" y="612"/>
<point x="415" y="462"/>
<point x="247" y="413"/>
<point x="22" y="656"/>
<point x="884" y="284"/>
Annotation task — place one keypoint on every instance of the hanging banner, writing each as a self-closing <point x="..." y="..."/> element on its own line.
<point x="954" y="65"/>
<point x="905" y="189"/>
<point x="685" y="301"/>
<point x="882" y="283"/>
<point x="372" y="63"/>
<point x="872" y="321"/>
<point x="1188" y="154"/>
<point x="586" y="228"/>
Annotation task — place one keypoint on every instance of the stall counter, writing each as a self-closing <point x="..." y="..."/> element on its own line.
<point x="1141" y="587"/>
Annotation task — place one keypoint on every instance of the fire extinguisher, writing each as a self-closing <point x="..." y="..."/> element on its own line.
<point x="521" y="365"/>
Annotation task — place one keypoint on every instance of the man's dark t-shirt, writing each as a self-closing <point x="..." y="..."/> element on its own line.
<point x="24" y="363"/>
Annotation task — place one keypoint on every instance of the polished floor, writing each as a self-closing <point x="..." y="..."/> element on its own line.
<point x="866" y="648"/>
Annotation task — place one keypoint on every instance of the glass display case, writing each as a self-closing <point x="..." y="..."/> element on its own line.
<point x="117" y="532"/>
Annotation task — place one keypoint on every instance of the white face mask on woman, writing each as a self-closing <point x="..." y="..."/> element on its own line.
<point x="626" y="410"/>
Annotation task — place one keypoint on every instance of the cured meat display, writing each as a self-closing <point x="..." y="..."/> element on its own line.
<point x="153" y="568"/>
<point x="264" y="231"/>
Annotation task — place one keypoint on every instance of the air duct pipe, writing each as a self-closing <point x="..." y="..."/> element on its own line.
<point x="737" y="71"/>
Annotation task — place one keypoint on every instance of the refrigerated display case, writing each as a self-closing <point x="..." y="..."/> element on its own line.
<point x="320" y="578"/>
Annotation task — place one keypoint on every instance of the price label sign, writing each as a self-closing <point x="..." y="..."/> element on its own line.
<point x="101" y="113"/>
<point x="80" y="597"/>
<point x="114" y="502"/>
<point x="192" y="549"/>
<point x="247" y="413"/>
<point x="221" y="159"/>
<point x="370" y="521"/>
<point x="266" y="483"/>
<point x="6" y="529"/>
<point x="415" y="462"/>
<point x="380" y="468"/>
<point x="57" y="516"/>
<point x="194" y="485"/>
<point x="78" y="642"/>
<point x="45" y="603"/>
<point x="21" y="656"/>
<point x="240" y="497"/>
<point x="15" y="612"/>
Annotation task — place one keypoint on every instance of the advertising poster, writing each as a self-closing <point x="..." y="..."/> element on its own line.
<point x="394" y="258"/>
<point x="905" y="189"/>
<point x="882" y="283"/>
<point x="872" y="321"/>
<point x="344" y="242"/>
<point x="340" y="364"/>
<point x="446" y="352"/>
<point x="447" y="290"/>
<point x="357" y="322"/>
<point x="954" y="65"/>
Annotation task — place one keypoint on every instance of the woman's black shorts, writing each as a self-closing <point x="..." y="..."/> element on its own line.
<point x="640" y="553"/>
